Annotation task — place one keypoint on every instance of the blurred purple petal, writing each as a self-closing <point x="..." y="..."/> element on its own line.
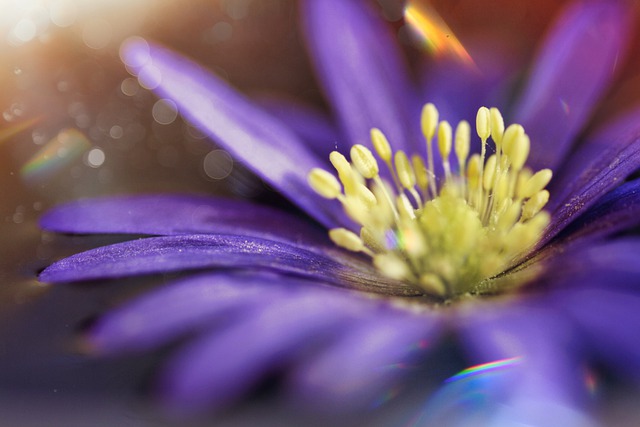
<point x="220" y="366"/>
<point x="608" y="264"/>
<point x="602" y="163"/>
<point x="314" y="128"/>
<point x="362" y="72"/>
<point x="176" y="309"/>
<point x="263" y="143"/>
<point x="177" y="214"/>
<point x="492" y="396"/>
<point x="458" y="88"/>
<point x="574" y="68"/>
<point x="608" y="322"/>
<point x="360" y="366"/>
<point x="534" y="332"/>
<point x="191" y="252"/>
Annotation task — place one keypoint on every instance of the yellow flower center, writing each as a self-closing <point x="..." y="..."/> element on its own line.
<point x="445" y="238"/>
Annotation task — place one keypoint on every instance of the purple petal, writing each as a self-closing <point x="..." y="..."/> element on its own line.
<point x="459" y="88"/>
<point x="177" y="214"/>
<point x="617" y="211"/>
<point x="362" y="72"/>
<point x="609" y="265"/>
<point x="608" y="322"/>
<point x="539" y="338"/>
<point x="264" y="144"/>
<point x="494" y="396"/>
<point x="368" y="356"/>
<point x="221" y="366"/>
<point x="577" y="63"/>
<point x="314" y="128"/>
<point x="179" y="307"/>
<point x="190" y="252"/>
<point x="602" y="163"/>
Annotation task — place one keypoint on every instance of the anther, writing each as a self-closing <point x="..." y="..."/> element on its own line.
<point x="497" y="127"/>
<point x="364" y="161"/>
<point x="381" y="144"/>
<point x="347" y="239"/>
<point x="536" y="183"/>
<point x="406" y="175"/>
<point x="483" y="123"/>
<point x="462" y="143"/>
<point x="429" y="121"/>
<point x="324" y="183"/>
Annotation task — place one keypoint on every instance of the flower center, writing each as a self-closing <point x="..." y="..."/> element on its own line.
<point x="446" y="237"/>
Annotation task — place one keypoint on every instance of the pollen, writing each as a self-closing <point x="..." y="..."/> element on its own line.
<point x="448" y="231"/>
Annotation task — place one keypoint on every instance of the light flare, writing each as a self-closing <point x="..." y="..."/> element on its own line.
<point x="485" y="368"/>
<point x="16" y="128"/>
<point x="61" y="150"/>
<point x="433" y="33"/>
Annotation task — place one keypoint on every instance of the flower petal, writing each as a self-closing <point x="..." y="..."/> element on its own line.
<point x="314" y="128"/>
<point x="458" y="88"/>
<point x="541" y="341"/>
<point x="608" y="264"/>
<point x="577" y="63"/>
<point x="264" y="144"/>
<point x="363" y="362"/>
<point x="617" y="211"/>
<point x="362" y="71"/>
<point x="608" y="322"/>
<point x="221" y="366"/>
<point x="190" y="252"/>
<point x="177" y="214"/>
<point x="180" y="307"/>
<point x="602" y="163"/>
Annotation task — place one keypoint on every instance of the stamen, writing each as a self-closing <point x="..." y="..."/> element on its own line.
<point x="445" y="235"/>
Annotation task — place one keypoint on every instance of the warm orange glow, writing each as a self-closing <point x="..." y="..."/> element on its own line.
<point x="433" y="33"/>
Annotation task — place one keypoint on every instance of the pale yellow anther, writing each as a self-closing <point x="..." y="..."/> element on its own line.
<point x="345" y="171"/>
<point x="364" y="162"/>
<point x="393" y="266"/>
<point x="489" y="172"/>
<point x="473" y="171"/>
<point x="534" y="204"/>
<point x="381" y="144"/>
<point x="462" y="143"/>
<point x="356" y="208"/>
<point x="429" y="120"/>
<point x="405" y="208"/>
<point x="510" y="216"/>
<point x="497" y="126"/>
<point x="324" y="183"/>
<point x="366" y="196"/>
<point x="536" y="183"/>
<point x="483" y="123"/>
<point x="511" y="135"/>
<point x="520" y="152"/>
<point x="444" y="139"/>
<point x="346" y="239"/>
<point x="420" y="169"/>
<point x="521" y="181"/>
<point x="433" y="284"/>
<point x="406" y="176"/>
<point x="501" y="189"/>
<point x="373" y="239"/>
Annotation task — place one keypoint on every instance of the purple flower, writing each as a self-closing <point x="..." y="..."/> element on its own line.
<point x="272" y="292"/>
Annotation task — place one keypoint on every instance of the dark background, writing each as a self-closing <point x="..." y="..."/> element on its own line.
<point x="61" y="73"/>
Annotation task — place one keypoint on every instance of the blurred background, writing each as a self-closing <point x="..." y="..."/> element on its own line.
<point x="75" y="124"/>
